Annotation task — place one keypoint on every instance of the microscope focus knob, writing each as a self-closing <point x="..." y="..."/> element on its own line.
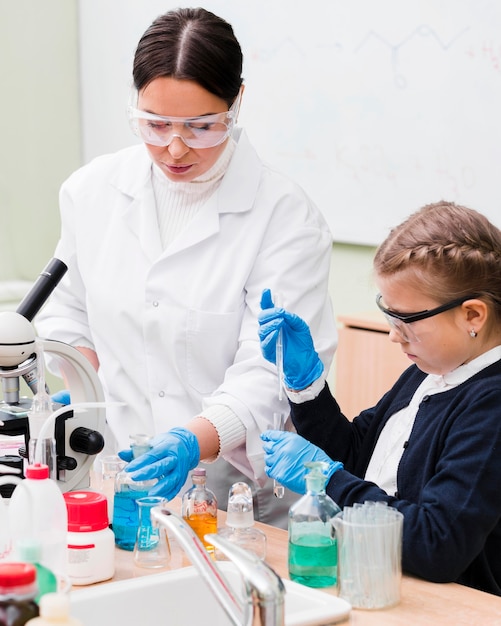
<point x="86" y="441"/>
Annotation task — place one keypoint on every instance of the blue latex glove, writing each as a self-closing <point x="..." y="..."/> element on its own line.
<point x="285" y="454"/>
<point x="172" y="456"/>
<point x="61" y="397"/>
<point x="302" y="365"/>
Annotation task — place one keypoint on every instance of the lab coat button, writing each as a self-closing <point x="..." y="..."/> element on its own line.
<point x="155" y="303"/>
<point x="161" y="394"/>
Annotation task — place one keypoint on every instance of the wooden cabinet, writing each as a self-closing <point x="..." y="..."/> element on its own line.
<point x="367" y="362"/>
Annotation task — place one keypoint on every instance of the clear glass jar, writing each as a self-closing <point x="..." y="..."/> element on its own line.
<point x="240" y="522"/>
<point x="199" y="507"/>
<point x="313" y="554"/>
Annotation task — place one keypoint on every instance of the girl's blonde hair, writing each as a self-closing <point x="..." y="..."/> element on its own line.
<point x="447" y="251"/>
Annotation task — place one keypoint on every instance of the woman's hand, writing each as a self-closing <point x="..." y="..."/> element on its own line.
<point x="172" y="456"/>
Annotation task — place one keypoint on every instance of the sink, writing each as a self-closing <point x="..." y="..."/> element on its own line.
<point x="181" y="597"/>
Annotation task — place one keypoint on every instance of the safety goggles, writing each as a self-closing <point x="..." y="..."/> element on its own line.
<point x="400" y="321"/>
<point x="205" y="131"/>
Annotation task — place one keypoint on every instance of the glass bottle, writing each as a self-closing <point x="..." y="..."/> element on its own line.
<point x="127" y="491"/>
<point x="313" y="553"/>
<point x="54" y="611"/>
<point x="110" y="466"/>
<point x="152" y="548"/>
<point x="17" y="593"/>
<point x="240" y="522"/>
<point x="199" y="507"/>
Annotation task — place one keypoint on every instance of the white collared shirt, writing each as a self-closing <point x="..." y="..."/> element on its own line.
<point x="385" y="459"/>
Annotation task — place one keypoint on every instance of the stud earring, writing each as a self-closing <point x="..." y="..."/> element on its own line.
<point x="473" y="333"/>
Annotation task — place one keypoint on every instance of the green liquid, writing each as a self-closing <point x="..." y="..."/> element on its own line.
<point x="313" y="561"/>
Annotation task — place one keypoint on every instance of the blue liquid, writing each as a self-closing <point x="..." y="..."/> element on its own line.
<point x="313" y="561"/>
<point x="126" y="518"/>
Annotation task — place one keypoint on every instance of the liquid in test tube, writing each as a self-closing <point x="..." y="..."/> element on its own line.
<point x="278" y="424"/>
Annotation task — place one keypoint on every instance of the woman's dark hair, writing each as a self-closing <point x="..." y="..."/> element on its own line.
<point x="191" y="44"/>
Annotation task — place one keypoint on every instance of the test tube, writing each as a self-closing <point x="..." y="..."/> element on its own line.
<point x="279" y="353"/>
<point x="278" y="424"/>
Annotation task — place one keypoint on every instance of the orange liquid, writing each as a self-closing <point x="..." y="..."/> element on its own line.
<point x="202" y="525"/>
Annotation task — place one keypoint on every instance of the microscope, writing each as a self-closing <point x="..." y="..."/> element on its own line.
<point x="78" y="434"/>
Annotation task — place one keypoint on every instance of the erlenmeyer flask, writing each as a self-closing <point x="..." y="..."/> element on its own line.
<point x="152" y="547"/>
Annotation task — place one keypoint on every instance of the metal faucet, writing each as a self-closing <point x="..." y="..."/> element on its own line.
<point x="263" y="604"/>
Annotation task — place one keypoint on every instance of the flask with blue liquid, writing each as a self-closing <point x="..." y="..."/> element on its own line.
<point x="127" y="491"/>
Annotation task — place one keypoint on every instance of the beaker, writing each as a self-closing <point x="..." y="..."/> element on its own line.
<point x="370" y="555"/>
<point x="110" y="466"/>
<point x="152" y="548"/>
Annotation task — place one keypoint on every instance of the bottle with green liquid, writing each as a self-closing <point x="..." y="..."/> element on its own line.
<point x="312" y="540"/>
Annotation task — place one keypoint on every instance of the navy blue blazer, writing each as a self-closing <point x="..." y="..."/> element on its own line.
<point x="448" y="479"/>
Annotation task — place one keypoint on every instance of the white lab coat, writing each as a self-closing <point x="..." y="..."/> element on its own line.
<point x="176" y="330"/>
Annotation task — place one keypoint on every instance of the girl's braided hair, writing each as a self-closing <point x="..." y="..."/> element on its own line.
<point x="448" y="251"/>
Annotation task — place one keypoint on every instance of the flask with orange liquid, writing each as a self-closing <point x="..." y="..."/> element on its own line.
<point x="199" y="507"/>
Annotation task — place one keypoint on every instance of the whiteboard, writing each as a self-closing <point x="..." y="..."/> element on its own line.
<point x="375" y="107"/>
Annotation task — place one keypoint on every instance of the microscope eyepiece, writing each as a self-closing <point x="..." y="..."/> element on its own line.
<point x="41" y="289"/>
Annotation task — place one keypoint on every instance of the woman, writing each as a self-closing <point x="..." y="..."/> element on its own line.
<point x="431" y="446"/>
<point x="168" y="245"/>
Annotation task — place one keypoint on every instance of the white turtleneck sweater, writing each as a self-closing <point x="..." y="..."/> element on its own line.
<point x="177" y="203"/>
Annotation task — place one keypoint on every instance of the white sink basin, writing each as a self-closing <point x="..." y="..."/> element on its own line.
<point x="181" y="598"/>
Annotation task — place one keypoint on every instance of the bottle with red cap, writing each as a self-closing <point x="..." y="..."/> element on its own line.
<point x="37" y="516"/>
<point x="18" y="589"/>
<point x="91" y="543"/>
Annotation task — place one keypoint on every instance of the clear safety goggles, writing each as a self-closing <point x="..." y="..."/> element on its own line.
<point x="401" y="321"/>
<point x="205" y="131"/>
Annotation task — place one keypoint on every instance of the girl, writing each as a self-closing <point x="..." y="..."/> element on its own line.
<point x="431" y="447"/>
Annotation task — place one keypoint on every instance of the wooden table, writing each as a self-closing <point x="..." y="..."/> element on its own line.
<point x="422" y="603"/>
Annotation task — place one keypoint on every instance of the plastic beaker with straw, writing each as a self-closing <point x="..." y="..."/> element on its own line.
<point x="369" y="539"/>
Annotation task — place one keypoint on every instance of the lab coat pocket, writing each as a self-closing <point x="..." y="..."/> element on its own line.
<point x="211" y="345"/>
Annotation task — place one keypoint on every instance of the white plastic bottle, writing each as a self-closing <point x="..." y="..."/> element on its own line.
<point x="91" y="543"/>
<point x="54" y="611"/>
<point x="37" y="514"/>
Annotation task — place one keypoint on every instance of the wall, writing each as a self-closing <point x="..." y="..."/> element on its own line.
<point x="40" y="144"/>
<point x="375" y="106"/>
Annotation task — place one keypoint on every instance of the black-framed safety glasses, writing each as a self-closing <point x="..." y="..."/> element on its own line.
<point x="400" y="321"/>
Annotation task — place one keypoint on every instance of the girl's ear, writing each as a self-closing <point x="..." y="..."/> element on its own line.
<point x="476" y="312"/>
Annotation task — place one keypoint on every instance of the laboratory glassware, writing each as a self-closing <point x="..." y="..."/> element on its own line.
<point x="199" y="507"/>
<point x="313" y="552"/>
<point x="152" y="548"/>
<point x="127" y="491"/>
